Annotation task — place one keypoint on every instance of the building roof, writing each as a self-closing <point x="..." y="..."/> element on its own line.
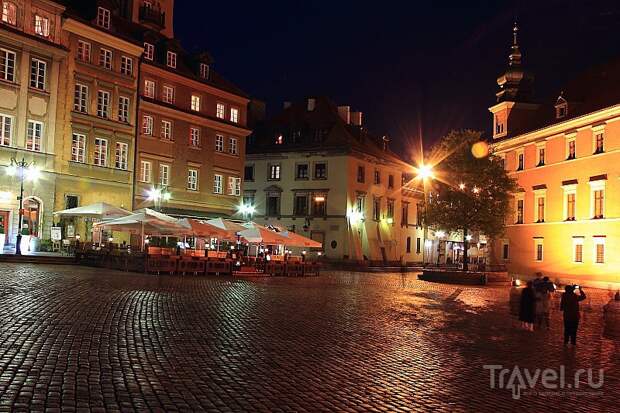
<point x="319" y="129"/>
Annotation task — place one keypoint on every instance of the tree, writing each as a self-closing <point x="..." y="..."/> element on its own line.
<point x="470" y="193"/>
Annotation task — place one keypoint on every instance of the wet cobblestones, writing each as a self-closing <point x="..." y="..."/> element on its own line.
<point x="81" y="339"/>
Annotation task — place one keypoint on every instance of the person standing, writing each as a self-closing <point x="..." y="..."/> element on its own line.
<point x="527" y="310"/>
<point x="569" y="305"/>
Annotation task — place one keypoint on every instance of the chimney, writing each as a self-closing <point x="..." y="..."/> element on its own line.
<point x="311" y="104"/>
<point x="356" y="118"/>
<point x="386" y="143"/>
<point x="287" y="104"/>
<point x="345" y="113"/>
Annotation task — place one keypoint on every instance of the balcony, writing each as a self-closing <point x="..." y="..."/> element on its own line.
<point x="153" y="16"/>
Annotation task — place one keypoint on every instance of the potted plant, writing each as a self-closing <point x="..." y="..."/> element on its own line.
<point x="25" y="243"/>
<point x="2" y="238"/>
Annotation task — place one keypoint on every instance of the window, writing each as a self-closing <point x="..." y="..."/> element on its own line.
<point x="78" y="148"/>
<point x="192" y="179"/>
<point x="194" y="137"/>
<point x="273" y="204"/>
<point x="41" y="25"/>
<point x="83" y="52"/>
<point x="571" y="146"/>
<point x="390" y="210"/>
<point x="319" y="205"/>
<point x="520" y="208"/>
<point x="360" y="200"/>
<point x="9" y="12"/>
<point x="376" y="209"/>
<point x="541" y="156"/>
<point x="220" y="111"/>
<point x="103" y="104"/>
<point x="409" y="245"/>
<point x="505" y="250"/>
<point x="561" y="110"/>
<point x="101" y="152"/>
<point x="570" y="206"/>
<point x="234" y="115"/>
<point x="103" y="17"/>
<point x="80" y="98"/>
<point x="171" y="59"/>
<point x="274" y="172"/>
<point x="126" y="65"/>
<point x="577" y="249"/>
<point x="540" y="208"/>
<point x="232" y="146"/>
<point x="120" y="156"/>
<point x="6" y="130"/>
<point x="105" y="58"/>
<point x="279" y="140"/>
<point x="599" y="250"/>
<point x="149" y="51"/>
<point x="520" y="161"/>
<point x="248" y="173"/>
<point x="149" y="89"/>
<point x="145" y="171"/>
<point x="301" y="171"/>
<point x="196" y="103"/>
<point x="218" y="184"/>
<point x="599" y="201"/>
<point x="7" y="65"/>
<point x="219" y="143"/>
<point x="166" y="130"/>
<point x="301" y="205"/>
<point x="204" y="70"/>
<point x="538" y="249"/>
<point x="33" y="135"/>
<point x="404" y="214"/>
<point x="147" y="125"/>
<point x="320" y="170"/>
<point x="361" y="174"/>
<point x="123" y="109"/>
<point x="168" y="94"/>
<point x="72" y="201"/>
<point x="377" y="177"/>
<point x="599" y="143"/>
<point x="391" y="181"/>
<point x="164" y="174"/>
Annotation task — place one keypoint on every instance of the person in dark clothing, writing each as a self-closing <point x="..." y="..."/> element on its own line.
<point x="527" y="310"/>
<point x="569" y="305"/>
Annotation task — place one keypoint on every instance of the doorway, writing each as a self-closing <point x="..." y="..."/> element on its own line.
<point x="4" y="221"/>
<point x="32" y="215"/>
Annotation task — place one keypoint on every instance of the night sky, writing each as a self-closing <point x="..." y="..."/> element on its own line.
<point x="415" y="68"/>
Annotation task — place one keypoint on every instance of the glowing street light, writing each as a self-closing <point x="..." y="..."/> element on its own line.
<point x="247" y="209"/>
<point x="468" y="238"/>
<point x="440" y="234"/>
<point x="25" y="171"/>
<point x="476" y="190"/>
<point x="461" y="186"/>
<point x="425" y="172"/>
<point x="157" y="195"/>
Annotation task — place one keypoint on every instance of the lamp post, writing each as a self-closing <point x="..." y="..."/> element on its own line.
<point x="158" y="195"/>
<point x="24" y="170"/>
<point x="425" y="173"/>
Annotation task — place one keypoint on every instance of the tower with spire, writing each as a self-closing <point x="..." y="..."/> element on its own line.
<point x="514" y="97"/>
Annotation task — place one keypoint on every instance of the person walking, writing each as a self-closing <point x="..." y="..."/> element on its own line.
<point x="527" y="310"/>
<point x="569" y="305"/>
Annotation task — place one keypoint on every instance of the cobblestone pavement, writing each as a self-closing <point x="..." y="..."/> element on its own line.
<point x="81" y="339"/>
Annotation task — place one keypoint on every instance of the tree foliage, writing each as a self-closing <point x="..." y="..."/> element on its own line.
<point x="469" y="193"/>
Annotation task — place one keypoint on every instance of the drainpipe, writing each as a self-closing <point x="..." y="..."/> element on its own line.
<point x="136" y="133"/>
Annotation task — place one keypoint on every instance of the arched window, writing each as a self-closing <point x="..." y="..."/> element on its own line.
<point x="9" y="12"/>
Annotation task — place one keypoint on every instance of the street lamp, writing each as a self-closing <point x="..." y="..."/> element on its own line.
<point x="247" y="210"/>
<point x="425" y="172"/>
<point x="157" y="195"/>
<point x="24" y="171"/>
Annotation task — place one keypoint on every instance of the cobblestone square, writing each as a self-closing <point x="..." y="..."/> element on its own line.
<point x="83" y="339"/>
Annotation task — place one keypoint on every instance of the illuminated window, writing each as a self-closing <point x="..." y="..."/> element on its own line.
<point x="570" y="206"/>
<point x="145" y="171"/>
<point x="274" y="172"/>
<point x="78" y="148"/>
<point x="234" y="115"/>
<point x="147" y="125"/>
<point x="166" y="130"/>
<point x="164" y="174"/>
<point x="279" y="140"/>
<point x="599" y="250"/>
<point x="84" y="50"/>
<point x="319" y="205"/>
<point x="105" y="58"/>
<point x="9" y="13"/>
<point x="171" y="59"/>
<point x="120" y="155"/>
<point x="149" y="51"/>
<point x="41" y="25"/>
<point x="101" y="152"/>
<point x="577" y="249"/>
<point x="194" y="137"/>
<point x="218" y="184"/>
<point x="168" y="96"/>
<point x="196" y="103"/>
<point x="149" y="89"/>
<point x="192" y="179"/>
<point x="103" y="17"/>
<point x="540" y="208"/>
<point x="538" y="249"/>
<point x="204" y="70"/>
<point x="220" y="111"/>
<point x="599" y="200"/>
<point x="571" y="149"/>
<point x="34" y="135"/>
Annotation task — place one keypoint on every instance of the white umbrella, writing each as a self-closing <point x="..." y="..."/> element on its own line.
<point x="99" y="210"/>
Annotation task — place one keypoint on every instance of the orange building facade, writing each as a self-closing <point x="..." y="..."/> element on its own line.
<point x="565" y="157"/>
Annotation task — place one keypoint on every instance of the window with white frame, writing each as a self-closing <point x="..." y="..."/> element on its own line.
<point x="120" y="155"/>
<point x="103" y="104"/>
<point x="123" y="109"/>
<point x="78" y="148"/>
<point x="147" y="125"/>
<point x="219" y="143"/>
<point x="149" y="51"/>
<point x="101" y="152"/>
<point x="105" y="58"/>
<point x="171" y="59"/>
<point x="37" y="74"/>
<point x="578" y="249"/>
<point x="192" y="179"/>
<point x="218" y="184"/>
<point x="149" y="88"/>
<point x="538" y="249"/>
<point x="194" y="137"/>
<point x="570" y="202"/>
<point x="234" y="186"/>
<point x="164" y="174"/>
<point x="84" y="51"/>
<point x="126" y="65"/>
<point x="274" y="171"/>
<point x="220" y="111"/>
<point x="571" y="146"/>
<point x="146" y="168"/>
<point x="6" y="130"/>
<point x="196" y="103"/>
<point x="234" y="115"/>
<point x="34" y="135"/>
<point x="168" y="95"/>
<point x="597" y="199"/>
<point x="519" y="208"/>
<point x="540" y="155"/>
<point x="599" y="250"/>
<point x="7" y="65"/>
<point x="41" y="25"/>
<point x="9" y="13"/>
<point x="103" y="17"/>
<point x="204" y="70"/>
<point x="80" y="98"/>
<point x="166" y="130"/>
<point x="232" y="146"/>
<point x="539" y="204"/>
